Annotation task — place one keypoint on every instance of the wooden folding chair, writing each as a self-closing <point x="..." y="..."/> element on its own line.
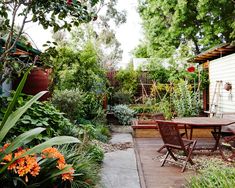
<point x="227" y="144"/>
<point x="173" y="141"/>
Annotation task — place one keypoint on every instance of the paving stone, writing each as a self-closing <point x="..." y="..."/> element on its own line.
<point x="119" y="169"/>
<point x="121" y="138"/>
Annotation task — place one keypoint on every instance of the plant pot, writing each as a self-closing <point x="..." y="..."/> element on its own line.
<point x="38" y="80"/>
<point x="228" y="86"/>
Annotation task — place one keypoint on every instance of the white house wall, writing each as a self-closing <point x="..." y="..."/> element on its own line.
<point x="223" y="69"/>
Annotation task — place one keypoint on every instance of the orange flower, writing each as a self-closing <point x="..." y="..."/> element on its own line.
<point x="4" y="147"/>
<point x="53" y="153"/>
<point x="8" y="157"/>
<point x="25" y="165"/>
<point x="28" y="164"/>
<point x="35" y="170"/>
<point x="61" y="164"/>
<point x="68" y="175"/>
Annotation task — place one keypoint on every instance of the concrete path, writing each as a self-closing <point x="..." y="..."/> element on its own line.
<point x="119" y="168"/>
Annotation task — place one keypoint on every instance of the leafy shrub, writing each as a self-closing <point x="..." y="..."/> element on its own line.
<point x="71" y="102"/>
<point x="213" y="176"/>
<point x="124" y="114"/>
<point x="79" y="69"/>
<point x="186" y="102"/>
<point x="44" y="115"/>
<point x="93" y="106"/>
<point x="89" y="131"/>
<point x="102" y="133"/>
<point x="77" y="105"/>
<point x="128" y="79"/>
<point x="122" y="97"/>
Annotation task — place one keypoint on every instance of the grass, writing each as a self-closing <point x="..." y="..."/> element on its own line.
<point x="213" y="173"/>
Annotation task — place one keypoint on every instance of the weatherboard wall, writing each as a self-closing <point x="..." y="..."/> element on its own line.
<point x="223" y="69"/>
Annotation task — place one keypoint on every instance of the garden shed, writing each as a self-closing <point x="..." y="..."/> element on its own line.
<point x="220" y="63"/>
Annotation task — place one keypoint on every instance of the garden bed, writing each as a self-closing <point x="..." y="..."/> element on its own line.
<point x="149" y="129"/>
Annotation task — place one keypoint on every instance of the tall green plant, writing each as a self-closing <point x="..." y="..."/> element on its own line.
<point x="185" y="101"/>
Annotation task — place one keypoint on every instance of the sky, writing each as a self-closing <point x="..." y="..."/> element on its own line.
<point x="128" y="34"/>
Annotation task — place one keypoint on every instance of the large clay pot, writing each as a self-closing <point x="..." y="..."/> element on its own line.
<point x="38" y="80"/>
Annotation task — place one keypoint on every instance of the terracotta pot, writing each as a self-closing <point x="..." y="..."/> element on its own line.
<point x="38" y="80"/>
<point x="228" y="86"/>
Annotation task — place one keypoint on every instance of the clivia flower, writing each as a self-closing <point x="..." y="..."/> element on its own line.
<point x="28" y="165"/>
<point x="54" y="153"/>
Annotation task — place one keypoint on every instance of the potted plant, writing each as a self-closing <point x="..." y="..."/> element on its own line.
<point x="227" y="86"/>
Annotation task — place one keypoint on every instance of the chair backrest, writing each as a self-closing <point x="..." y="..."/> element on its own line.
<point x="170" y="133"/>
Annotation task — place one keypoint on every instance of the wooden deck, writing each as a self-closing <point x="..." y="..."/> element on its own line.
<point x="152" y="175"/>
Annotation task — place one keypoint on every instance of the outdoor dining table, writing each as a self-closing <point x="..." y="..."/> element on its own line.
<point x="205" y="122"/>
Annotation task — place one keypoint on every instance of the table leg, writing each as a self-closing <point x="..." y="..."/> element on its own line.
<point x="186" y="131"/>
<point x="191" y="133"/>
<point x="190" y="136"/>
<point x="217" y="135"/>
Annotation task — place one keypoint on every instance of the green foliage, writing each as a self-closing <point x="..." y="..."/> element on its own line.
<point x="144" y="108"/>
<point x="79" y="69"/>
<point x="70" y="102"/>
<point x="93" y="107"/>
<point x="42" y="115"/>
<point x="104" y="40"/>
<point x="158" y="72"/>
<point x="95" y="153"/>
<point x="127" y="79"/>
<point x="102" y="133"/>
<point x="186" y="102"/>
<point x="141" y="51"/>
<point x="89" y="131"/>
<point x="170" y="70"/>
<point x="124" y="114"/>
<point x="85" y="166"/>
<point x="59" y="10"/>
<point x="168" y="24"/>
<point x="166" y="108"/>
<point x="121" y="97"/>
<point x="213" y="176"/>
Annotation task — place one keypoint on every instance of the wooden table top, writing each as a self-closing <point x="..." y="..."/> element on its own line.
<point x="203" y="121"/>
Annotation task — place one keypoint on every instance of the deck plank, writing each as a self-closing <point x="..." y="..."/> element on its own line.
<point x="155" y="176"/>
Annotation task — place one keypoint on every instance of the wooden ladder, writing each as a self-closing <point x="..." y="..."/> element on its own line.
<point x="215" y="99"/>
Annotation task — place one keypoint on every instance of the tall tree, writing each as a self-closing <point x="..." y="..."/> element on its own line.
<point x="168" y="24"/>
